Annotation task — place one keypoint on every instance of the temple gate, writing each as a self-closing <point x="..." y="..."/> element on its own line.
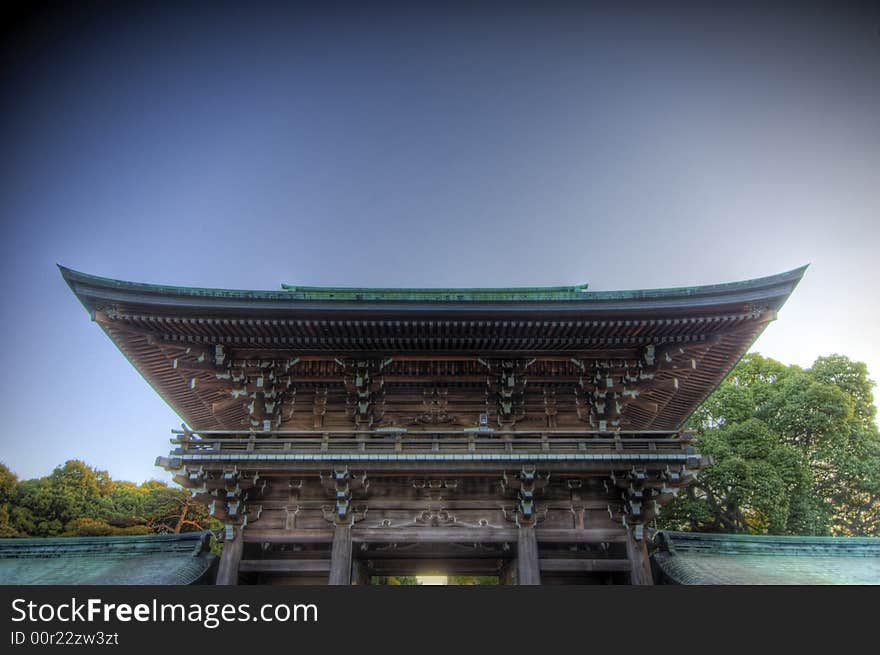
<point x="526" y="433"/>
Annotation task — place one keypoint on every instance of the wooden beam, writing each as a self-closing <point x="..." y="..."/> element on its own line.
<point x="360" y="574"/>
<point x="288" y="536"/>
<point x="637" y="552"/>
<point x="584" y="565"/>
<point x="284" y="566"/>
<point x="230" y="560"/>
<point x="439" y="535"/>
<point x="482" y="535"/>
<point x="507" y="575"/>
<point x="434" y="534"/>
<point x="435" y="566"/>
<point x="340" y="556"/>
<point x="528" y="571"/>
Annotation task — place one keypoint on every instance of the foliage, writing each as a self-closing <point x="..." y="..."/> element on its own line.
<point x="794" y="452"/>
<point x="395" y="580"/>
<point x="78" y="500"/>
<point x="8" y="484"/>
<point x="469" y="580"/>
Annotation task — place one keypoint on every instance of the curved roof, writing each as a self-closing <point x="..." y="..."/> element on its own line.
<point x="736" y="559"/>
<point x="173" y="559"/>
<point x="94" y="291"/>
<point x="166" y="332"/>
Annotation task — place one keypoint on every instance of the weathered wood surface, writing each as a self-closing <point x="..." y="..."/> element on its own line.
<point x="288" y="536"/>
<point x="431" y="534"/>
<point x="428" y="566"/>
<point x="340" y="556"/>
<point x="573" y="565"/>
<point x="284" y="566"/>
<point x="527" y="568"/>
<point x="227" y="573"/>
<point x="637" y="552"/>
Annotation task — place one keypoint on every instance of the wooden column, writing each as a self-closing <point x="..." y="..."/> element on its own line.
<point x="528" y="570"/>
<point x="637" y="552"/>
<point x="360" y="575"/>
<point x="340" y="556"/>
<point x="227" y="573"/>
<point x="508" y="573"/>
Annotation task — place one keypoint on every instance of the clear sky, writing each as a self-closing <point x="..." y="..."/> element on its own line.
<point x="395" y="147"/>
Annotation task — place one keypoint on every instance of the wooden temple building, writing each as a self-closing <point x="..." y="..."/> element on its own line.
<point x="524" y="433"/>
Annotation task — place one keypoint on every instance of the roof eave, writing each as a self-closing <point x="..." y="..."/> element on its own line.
<point x="94" y="292"/>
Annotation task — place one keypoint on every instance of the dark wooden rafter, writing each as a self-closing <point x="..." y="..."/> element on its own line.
<point x="264" y="388"/>
<point x="218" y="398"/>
<point x="607" y="387"/>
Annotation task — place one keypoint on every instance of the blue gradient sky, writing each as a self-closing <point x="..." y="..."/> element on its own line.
<point x="396" y="147"/>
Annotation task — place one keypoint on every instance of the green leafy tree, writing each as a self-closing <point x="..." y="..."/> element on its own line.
<point x="395" y="580"/>
<point x="468" y="580"/>
<point x="175" y="510"/>
<point x="795" y="452"/>
<point x="8" y="486"/>
<point x="76" y="490"/>
<point x="78" y="500"/>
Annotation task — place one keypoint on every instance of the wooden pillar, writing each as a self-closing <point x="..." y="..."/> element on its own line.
<point x="360" y="574"/>
<point x="340" y="556"/>
<point x="637" y="552"/>
<point x="227" y="573"/>
<point x="528" y="570"/>
<point x="508" y="573"/>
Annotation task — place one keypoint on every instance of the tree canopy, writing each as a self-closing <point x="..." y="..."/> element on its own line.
<point x="78" y="500"/>
<point x="795" y="451"/>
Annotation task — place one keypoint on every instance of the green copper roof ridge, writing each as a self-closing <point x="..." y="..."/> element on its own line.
<point x="439" y="294"/>
<point x="501" y="294"/>
<point x="294" y="287"/>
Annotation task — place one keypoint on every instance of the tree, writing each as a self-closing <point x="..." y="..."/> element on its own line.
<point x="469" y="580"/>
<point x="78" y="500"/>
<point x="8" y="485"/>
<point x="795" y="452"/>
<point x="174" y="510"/>
<point x="396" y="580"/>
<point x="76" y="490"/>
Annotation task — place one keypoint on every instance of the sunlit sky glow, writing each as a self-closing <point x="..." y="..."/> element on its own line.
<point x="557" y="145"/>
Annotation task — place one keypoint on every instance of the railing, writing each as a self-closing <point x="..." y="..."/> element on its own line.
<point x="215" y="442"/>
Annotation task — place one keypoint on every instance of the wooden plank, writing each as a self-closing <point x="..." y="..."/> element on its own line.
<point x="584" y="565"/>
<point x="507" y="575"/>
<point x="284" y="566"/>
<point x="432" y="534"/>
<point x="321" y="536"/>
<point x="340" y="556"/>
<point x="227" y="572"/>
<point x="436" y="566"/>
<point x="588" y="536"/>
<point x="360" y="574"/>
<point x="637" y="552"/>
<point x="528" y="571"/>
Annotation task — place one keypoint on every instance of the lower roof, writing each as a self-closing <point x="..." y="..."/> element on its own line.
<point x="735" y="559"/>
<point x="172" y="559"/>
